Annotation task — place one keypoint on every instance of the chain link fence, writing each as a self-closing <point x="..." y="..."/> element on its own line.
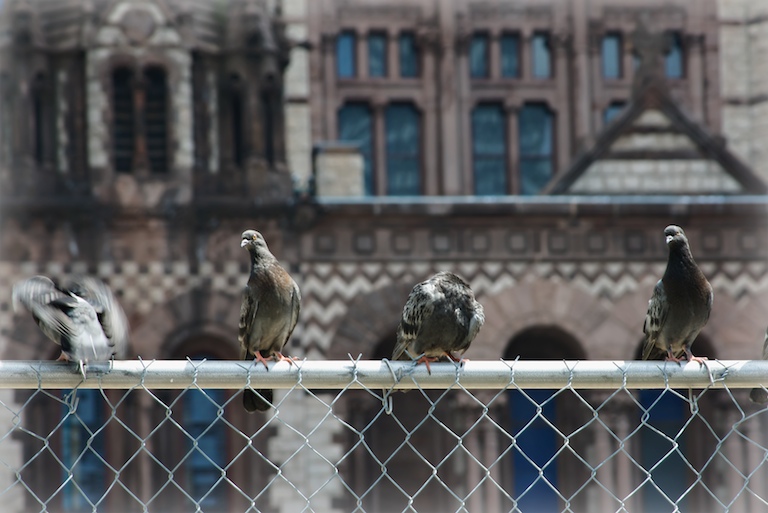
<point x="380" y="436"/>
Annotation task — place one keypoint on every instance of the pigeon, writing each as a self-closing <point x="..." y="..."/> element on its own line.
<point x="440" y="316"/>
<point x="83" y="317"/>
<point x="680" y="305"/>
<point x="759" y="395"/>
<point x="269" y="312"/>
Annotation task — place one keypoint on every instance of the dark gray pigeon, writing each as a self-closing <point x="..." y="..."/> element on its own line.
<point x="83" y="317"/>
<point x="440" y="316"/>
<point x="759" y="395"/>
<point x="270" y="310"/>
<point x="681" y="303"/>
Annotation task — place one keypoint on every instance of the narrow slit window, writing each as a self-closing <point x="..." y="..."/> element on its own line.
<point x="356" y="126"/>
<point x="345" y="54"/>
<point x="489" y="149"/>
<point x="123" y="120"/>
<point x="541" y="53"/>
<point x="673" y="60"/>
<point x="479" y="48"/>
<point x="377" y="54"/>
<point x="536" y="143"/>
<point x="156" y="119"/>
<point x="510" y="55"/>
<point x="611" y="56"/>
<point x="403" y="146"/>
<point x="409" y="55"/>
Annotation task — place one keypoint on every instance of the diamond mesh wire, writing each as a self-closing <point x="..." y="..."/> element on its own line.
<point x="384" y="437"/>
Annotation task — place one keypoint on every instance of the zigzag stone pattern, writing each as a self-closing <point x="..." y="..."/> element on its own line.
<point x="330" y="290"/>
<point x="378" y="289"/>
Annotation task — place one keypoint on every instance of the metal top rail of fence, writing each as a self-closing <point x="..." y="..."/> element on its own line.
<point x="376" y="374"/>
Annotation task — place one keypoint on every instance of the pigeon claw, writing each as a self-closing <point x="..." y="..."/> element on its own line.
<point x="280" y="357"/>
<point x="425" y="360"/>
<point x="672" y="358"/>
<point x="698" y="359"/>
<point x="261" y="359"/>
<point x="460" y="360"/>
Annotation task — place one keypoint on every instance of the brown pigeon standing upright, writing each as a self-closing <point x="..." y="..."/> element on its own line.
<point x="83" y="317"/>
<point x="681" y="303"/>
<point x="440" y="316"/>
<point x="270" y="310"/>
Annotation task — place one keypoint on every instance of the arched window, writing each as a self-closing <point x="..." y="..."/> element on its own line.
<point x="671" y="442"/>
<point x="536" y="145"/>
<point x="156" y="118"/>
<point x="202" y="413"/>
<point x="403" y="149"/>
<point x="538" y="466"/>
<point x="83" y="452"/>
<point x="123" y="119"/>
<point x="140" y="120"/>
<point x="355" y="126"/>
<point x="674" y="66"/>
<point x="269" y="104"/>
<point x="236" y="109"/>
<point x="489" y="151"/>
<point x="38" y="99"/>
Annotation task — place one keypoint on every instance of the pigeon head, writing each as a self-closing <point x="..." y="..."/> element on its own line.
<point x="254" y="242"/>
<point x="675" y="236"/>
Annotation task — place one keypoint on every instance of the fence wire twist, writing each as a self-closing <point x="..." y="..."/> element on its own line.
<point x="383" y="436"/>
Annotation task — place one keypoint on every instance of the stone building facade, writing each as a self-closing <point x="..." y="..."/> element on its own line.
<point x="536" y="148"/>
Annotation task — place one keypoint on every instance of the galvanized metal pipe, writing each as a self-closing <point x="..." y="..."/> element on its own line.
<point x="378" y="374"/>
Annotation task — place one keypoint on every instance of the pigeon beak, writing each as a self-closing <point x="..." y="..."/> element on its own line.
<point x="244" y="243"/>
<point x="669" y="239"/>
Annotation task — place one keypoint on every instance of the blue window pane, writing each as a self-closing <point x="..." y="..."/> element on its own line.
<point x="409" y="57"/>
<point x="611" y="53"/>
<point x="541" y="56"/>
<point x="535" y="129"/>
<point x="345" y="54"/>
<point x="203" y="466"/>
<point x="612" y="110"/>
<point x="510" y="55"/>
<point x="403" y="143"/>
<point x="377" y="54"/>
<point x="673" y="61"/>
<point x="78" y="438"/>
<point x="667" y="417"/>
<point x="489" y="150"/>
<point x="536" y="446"/>
<point x="355" y="127"/>
<point x="478" y="56"/>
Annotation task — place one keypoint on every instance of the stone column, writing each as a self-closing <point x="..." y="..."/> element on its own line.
<point x="379" y="149"/>
<point x="513" y="149"/>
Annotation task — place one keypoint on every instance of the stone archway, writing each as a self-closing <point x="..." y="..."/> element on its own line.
<point x="369" y="318"/>
<point x="199" y="312"/>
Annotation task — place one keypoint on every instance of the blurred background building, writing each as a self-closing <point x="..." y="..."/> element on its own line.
<point x="537" y="148"/>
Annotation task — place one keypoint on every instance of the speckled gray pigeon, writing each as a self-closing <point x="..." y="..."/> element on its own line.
<point x="83" y="317"/>
<point x="759" y="395"/>
<point x="440" y="316"/>
<point x="269" y="312"/>
<point x="681" y="303"/>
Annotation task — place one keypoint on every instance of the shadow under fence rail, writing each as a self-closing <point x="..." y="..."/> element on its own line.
<point x="382" y="436"/>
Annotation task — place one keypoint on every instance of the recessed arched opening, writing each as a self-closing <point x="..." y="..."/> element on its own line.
<point x="406" y="442"/>
<point x="538" y="465"/>
<point x="198" y="440"/>
<point x="671" y="439"/>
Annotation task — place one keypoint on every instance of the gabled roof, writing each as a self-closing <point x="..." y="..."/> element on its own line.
<point x="654" y="147"/>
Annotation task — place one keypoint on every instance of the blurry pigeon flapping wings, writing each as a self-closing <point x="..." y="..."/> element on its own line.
<point x="269" y="312"/>
<point x="759" y="395"/>
<point x="83" y="317"/>
<point x="680" y="305"/>
<point x="441" y="316"/>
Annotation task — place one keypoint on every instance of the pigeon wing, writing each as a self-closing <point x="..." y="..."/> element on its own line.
<point x="654" y="318"/>
<point x="110" y="314"/>
<point x="248" y="309"/>
<point x="418" y="306"/>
